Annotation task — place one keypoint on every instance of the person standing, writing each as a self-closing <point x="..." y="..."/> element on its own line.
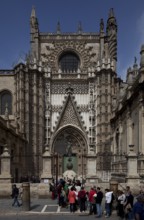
<point x="128" y="206"/>
<point x="72" y="199"/>
<point x="92" y="201"/>
<point x="82" y="199"/>
<point x="99" y="198"/>
<point x="138" y="208"/>
<point x="15" y="194"/>
<point x="121" y="202"/>
<point x="108" y="199"/>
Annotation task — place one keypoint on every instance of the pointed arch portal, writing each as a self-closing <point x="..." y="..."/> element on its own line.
<point x="69" y="150"/>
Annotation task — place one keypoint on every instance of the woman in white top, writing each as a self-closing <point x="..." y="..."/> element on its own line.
<point x="108" y="199"/>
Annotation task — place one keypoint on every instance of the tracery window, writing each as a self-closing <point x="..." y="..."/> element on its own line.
<point x="5" y="100"/>
<point x="69" y="62"/>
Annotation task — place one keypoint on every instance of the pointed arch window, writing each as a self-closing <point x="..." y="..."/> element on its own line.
<point x="5" y="100"/>
<point x="69" y="62"/>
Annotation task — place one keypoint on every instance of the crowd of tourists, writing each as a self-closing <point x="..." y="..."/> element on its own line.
<point x="73" y="195"/>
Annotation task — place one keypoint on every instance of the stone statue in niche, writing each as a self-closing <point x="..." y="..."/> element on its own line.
<point x="69" y="148"/>
<point x="69" y="164"/>
<point x="69" y="173"/>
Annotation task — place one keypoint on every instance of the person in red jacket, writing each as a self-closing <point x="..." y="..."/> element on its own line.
<point x="71" y="199"/>
<point x="92" y="201"/>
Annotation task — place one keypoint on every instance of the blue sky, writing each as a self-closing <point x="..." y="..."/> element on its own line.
<point x="15" y="28"/>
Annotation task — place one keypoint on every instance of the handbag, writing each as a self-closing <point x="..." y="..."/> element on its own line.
<point x="127" y="208"/>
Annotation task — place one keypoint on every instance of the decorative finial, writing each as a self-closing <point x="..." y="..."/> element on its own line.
<point x="142" y="56"/>
<point x="135" y="66"/>
<point x="111" y="13"/>
<point x="69" y="89"/>
<point x="58" y="28"/>
<point x="33" y="13"/>
<point x="101" y="25"/>
<point x="135" y="60"/>
<point x="79" y="27"/>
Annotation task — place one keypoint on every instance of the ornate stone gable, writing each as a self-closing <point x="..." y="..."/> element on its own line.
<point x="50" y="53"/>
<point x="69" y="115"/>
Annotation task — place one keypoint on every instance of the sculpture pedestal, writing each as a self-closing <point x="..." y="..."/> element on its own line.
<point x="132" y="174"/>
<point x="69" y="174"/>
<point x="46" y="174"/>
<point x="5" y="176"/>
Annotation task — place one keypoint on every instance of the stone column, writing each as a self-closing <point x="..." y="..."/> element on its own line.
<point x="141" y="128"/>
<point x="35" y="124"/>
<point x="26" y="197"/>
<point x="132" y="173"/>
<point x="21" y="100"/>
<point x="46" y="172"/>
<point x="5" y="176"/>
<point x="129" y="130"/>
<point x="91" y="169"/>
<point x="27" y="105"/>
<point x="40" y="119"/>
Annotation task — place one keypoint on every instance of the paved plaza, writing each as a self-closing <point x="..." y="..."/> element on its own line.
<point x="43" y="207"/>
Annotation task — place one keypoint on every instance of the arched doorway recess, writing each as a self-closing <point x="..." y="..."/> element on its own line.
<point x="69" y="153"/>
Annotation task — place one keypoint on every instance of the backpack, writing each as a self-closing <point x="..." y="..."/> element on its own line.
<point x="82" y="195"/>
<point x="16" y="191"/>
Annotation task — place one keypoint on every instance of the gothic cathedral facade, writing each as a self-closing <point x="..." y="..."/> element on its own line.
<point x="61" y="101"/>
<point x="73" y="77"/>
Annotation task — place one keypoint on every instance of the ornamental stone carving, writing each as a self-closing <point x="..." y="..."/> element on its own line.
<point x="78" y="88"/>
<point x="69" y="116"/>
<point x="81" y="108"/>
<point x="51" y="51"/>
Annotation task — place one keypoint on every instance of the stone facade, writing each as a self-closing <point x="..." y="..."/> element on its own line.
<point x="13" y="151"/>
<point x="63" y="99"/>
<point x="128" y="125"/>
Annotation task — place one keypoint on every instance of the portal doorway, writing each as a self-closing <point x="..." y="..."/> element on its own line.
<point x="69" y="154"/>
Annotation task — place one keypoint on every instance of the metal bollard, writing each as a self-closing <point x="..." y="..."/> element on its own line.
<point x="26" y="196"/>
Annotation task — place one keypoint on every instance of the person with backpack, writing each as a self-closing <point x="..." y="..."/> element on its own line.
<point x="82" y="199"/>
<point x="14" y="195"/>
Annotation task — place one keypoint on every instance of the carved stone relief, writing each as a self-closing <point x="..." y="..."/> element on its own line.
<point x="81" y="108"/>
<point x="69" y="116"/>
<point x="50" y="53"/>
<point x="78" y="88"/>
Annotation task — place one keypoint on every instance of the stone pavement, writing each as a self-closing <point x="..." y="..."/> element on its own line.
<point x="38" y="206"/>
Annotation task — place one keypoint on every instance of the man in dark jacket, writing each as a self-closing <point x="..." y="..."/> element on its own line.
<point x="138" y="208"/>
<point x="15" y="193"/>
<point x="99" y="198"/>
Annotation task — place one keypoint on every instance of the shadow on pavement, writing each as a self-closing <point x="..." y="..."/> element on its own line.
<point x="34" y="207"/>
